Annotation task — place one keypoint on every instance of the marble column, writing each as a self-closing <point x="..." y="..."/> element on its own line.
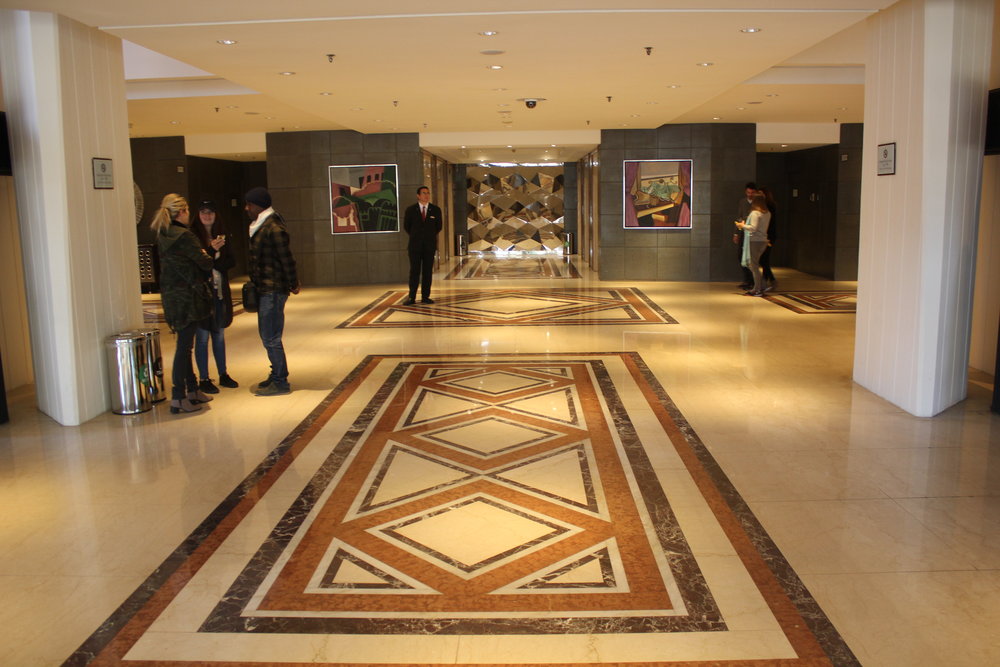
<point x="64" y="89"/>
<point x="925" y="92"/>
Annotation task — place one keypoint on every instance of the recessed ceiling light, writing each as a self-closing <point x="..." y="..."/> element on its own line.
<point x="494" y="67"/>
<point x="175" y="122"/>
<point x="750" y="29"/>
<point x="378" y="120"/>
<point x="741" y="108"/>
<point x="489" y="33"/>
<point x="633" y="115"/>
<point x="268" y="117"/>
<point x="552" y="145"/>
<point x="492" y="52"/>
<point x="499" y="90"/>
<point x="784" y="145"/>
<point x="509" y="146"/>
<point x="705" y="64"/>
<point x="673" y="85"/>
<point x="226" y="42"/>
<point x="232" y="106"/>
<point x="771" y="95"/>
<point x="624" y="125"/>
<point x="287" y="73"/>
<point x="716" y="117"/>
<point x="326" y="93"/>
<point x="463" y="146"/>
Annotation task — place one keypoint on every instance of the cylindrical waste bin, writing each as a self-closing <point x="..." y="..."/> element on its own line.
<point x="461" y="245"/>
<point x="127" y="370"/>
<point x="155" y="384"/>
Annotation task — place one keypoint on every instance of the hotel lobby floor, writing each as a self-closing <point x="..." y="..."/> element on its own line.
<point x="636" y="473"/>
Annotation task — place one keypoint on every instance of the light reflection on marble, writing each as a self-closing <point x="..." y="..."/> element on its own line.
<point x="88" y="512"/>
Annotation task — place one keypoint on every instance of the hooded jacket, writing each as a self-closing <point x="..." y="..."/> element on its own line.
<point x="184" y="270"/>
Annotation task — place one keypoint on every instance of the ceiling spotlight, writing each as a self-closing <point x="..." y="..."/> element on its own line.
<point x="494" y="67"/>
<point x="489" y="33"/>
<point x="716" y="117"/>
<point x="331" y="56"/>
<point x="175" y="122"/>
<point x="287" y="73"/>
<point x="706" y="64"/>
<point x="673" y="85"/>
<point x="226" y="42"/>
<point x="741" y="108"/>
<point x="326" y="94"/>
<point x="649" y="50"/>
<point x="750" y="30"/>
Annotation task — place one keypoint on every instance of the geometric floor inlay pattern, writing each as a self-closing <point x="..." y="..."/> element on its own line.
<point x="816" y="303"/>
<point x="545" y="306"/>
<point x="497" y="268"/>
<point x="437" y="504"/>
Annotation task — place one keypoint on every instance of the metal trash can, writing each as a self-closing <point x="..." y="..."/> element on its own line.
<point x="569" y="247"/>
<point x="127" y="370"/>
<point x="155" y="384"/>
<point x="461" y="245"/>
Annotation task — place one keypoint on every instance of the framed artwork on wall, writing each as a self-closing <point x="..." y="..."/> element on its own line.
<point x="657" y="194"/>
<point x="364" y="198"/>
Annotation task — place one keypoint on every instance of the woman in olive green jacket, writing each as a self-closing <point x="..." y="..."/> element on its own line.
<point x="184" y="267"/>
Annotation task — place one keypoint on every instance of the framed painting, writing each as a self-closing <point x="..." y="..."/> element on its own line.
<point x="364" y="198"/>
<point x="657" y="194"/>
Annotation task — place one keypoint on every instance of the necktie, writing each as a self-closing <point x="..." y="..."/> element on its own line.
<point x="423" y="213"/>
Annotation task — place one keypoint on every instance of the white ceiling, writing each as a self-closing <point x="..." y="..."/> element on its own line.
<point x="396" y="68"/>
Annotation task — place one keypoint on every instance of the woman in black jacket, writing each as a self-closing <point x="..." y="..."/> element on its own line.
<point x="211" y="232"/>
<point x="185" y="294"/>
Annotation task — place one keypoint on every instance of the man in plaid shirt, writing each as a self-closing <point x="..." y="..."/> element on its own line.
<point x="272" y="270"/>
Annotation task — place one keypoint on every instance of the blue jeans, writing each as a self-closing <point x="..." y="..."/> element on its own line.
<point x="218" y="345"/>
<point x="271" y="325"/>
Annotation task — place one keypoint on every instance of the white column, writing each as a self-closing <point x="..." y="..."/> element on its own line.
<point x="65" y="93"/>
<point x="925" y="90"/>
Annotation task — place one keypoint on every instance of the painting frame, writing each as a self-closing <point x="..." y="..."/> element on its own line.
<point x="364" y="198"/>
<point x="658" y="194"/>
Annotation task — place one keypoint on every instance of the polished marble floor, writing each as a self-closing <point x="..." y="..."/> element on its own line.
<point x="891" y="523"/>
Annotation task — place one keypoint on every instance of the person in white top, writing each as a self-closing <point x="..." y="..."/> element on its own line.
<point x="755" y="228"/>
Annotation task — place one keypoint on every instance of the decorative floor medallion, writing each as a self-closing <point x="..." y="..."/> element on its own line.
<point x="816" y="303"/>
<point x="479" y="510"/>
<point x="492" y="268"/>
<point x="152" y="308"/>
<point x="544" y="306"/>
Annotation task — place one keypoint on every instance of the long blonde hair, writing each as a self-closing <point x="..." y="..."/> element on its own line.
<point x="170" y="208"/>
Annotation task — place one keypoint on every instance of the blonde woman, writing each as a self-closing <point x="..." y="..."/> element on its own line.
<point x="755" y="229"/>
<point x="187" y="298"/>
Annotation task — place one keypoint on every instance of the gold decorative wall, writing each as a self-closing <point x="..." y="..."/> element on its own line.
<point x="515" y="209"/>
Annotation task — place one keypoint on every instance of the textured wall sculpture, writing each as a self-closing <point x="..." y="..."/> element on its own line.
<point x="515" y="209"/>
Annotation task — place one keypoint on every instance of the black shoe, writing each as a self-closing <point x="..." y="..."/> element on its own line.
<point x="427" y="300"/>
<point x="264" y="383"/>
<point x="228" y="382"/>
<point x="409" y="301"/>
<point x="207" y="386"/>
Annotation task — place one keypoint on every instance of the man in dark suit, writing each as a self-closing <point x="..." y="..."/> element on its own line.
<point x="422" y="221"/>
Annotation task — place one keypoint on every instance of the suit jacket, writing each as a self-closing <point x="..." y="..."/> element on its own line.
<point x="423" y="233"/>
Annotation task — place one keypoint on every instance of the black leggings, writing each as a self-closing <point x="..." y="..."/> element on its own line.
<point x="183" y="377"/>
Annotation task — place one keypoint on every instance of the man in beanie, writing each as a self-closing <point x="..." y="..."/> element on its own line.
<point x="272" y="271"/>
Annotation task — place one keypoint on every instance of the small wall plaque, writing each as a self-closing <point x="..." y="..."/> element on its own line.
<point x="887" y="159"/>
<point x="104" y="173"/>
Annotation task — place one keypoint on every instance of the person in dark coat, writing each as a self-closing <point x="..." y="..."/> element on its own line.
<point x="273" y="273"/>
<point x="187" y="299"/>
<point x="422" y="221"/>
<point x="212" y="234"/>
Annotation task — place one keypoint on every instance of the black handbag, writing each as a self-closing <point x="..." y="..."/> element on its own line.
<point x="250" y="297"/>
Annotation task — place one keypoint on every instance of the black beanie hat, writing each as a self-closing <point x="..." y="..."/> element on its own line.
<point x="259" y="196"/>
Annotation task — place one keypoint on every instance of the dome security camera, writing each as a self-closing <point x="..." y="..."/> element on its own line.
<point x="531" y="103"/>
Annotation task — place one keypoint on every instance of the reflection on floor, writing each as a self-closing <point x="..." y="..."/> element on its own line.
<point x="512" y="307"/>
<point x="890" y="522"/>
<point x="470" y="496"/>
<point x="814" y="303"/>
<point x="488" y="267"/>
